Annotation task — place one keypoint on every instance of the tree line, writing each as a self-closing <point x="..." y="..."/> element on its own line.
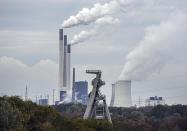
<point x="19" y="115"/>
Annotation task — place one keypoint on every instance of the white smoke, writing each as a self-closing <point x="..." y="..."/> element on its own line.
<point x="158" y="47"/>
<point x="85" y="35"/>
<point x="68" y="98"/>
<point x="86" y="15"/>
<point x="100" y="14"/>
<point x="82" y="36"/>
<point x="107" y="20"/>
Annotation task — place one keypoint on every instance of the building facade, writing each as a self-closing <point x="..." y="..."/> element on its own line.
<point x="81" y="92"/>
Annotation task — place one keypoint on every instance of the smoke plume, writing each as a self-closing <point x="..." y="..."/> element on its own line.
<point x="85" y="35"/>
<point x="82" y="36"/>
<point x="158" y="47"/>
<point x="86" y="15"/>
<point x="107" y="20"/>
<point x="99" y="13"/>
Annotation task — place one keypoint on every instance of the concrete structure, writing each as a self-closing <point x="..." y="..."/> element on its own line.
<point x="121" y="94"/>
<point x="64" y="65"/>
<point x="68" y="66"/>
<point x="113" y="95"/>
<point x="61" y="59"/>
<point x="81" y="92"/>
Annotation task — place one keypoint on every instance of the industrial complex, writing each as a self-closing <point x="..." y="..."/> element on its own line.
<point x="121" y="90"/>
<point x="79" y="88"/>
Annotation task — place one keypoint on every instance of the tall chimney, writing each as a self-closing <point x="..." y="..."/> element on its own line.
<point x="73" y="86"/>
<point x="62" y="83"/>
<point x="68" y="66"/>
<point x="65" y="63"/>
<point x="61" y="59"/>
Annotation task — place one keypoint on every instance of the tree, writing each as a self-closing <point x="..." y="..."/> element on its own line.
<point x="9" y="116"/>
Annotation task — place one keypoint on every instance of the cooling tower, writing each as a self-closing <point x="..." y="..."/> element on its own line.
<point x="113" y="95"/>
<point x="121" y="94"/>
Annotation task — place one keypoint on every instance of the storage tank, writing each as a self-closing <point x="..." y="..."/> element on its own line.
<point x="122" y="94"/>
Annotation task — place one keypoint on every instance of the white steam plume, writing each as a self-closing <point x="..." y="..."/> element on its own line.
<point x="107" y="20"/>
<point x="85" y="35"/>
<point x="82" y="36"/>
<point x="158" y="47"/>
<point x="87" y="15"/>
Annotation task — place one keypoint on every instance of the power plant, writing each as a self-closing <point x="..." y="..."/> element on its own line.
<point x="121" y="94"/>
<point x="121" y="90"/>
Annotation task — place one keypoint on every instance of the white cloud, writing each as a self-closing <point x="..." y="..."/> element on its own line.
<point x="40" y="78"/>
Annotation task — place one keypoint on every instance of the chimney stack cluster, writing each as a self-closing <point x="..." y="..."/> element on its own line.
<point x="64" y="65"/>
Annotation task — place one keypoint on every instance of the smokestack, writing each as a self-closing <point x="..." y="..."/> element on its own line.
<point x="61" y="59"/>
<point x="65" y="62"/>
<point x="68" y="66"/>
<point x="62" y="76"/>
<point x="73" y="86"/>
<point x="64" y="65"/>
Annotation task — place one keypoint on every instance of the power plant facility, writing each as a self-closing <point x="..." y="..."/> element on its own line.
<point x="43" y="100"/>
<point x="154" y="101"/>
<point x="64" y="65"/>
<point x="81" y="92"/>
<point x="121" y="90"/>
<point x="121" y="94"/>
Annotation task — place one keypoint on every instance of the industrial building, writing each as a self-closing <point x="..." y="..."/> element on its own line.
<point x="121" y="94"/>
<point x="81" y="92"/>
<point x="154" y="101"/>
<point x="64" y="65"/>
<point x="43" y="101"/>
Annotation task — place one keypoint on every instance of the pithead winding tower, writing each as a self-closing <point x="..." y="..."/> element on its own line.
<point x="97" y="107"/>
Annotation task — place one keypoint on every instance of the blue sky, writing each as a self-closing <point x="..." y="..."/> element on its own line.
<point x="29" y="46"/>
